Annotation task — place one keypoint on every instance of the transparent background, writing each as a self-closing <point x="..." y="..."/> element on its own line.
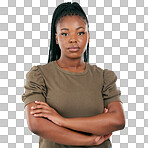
<point x="119" y="41"/>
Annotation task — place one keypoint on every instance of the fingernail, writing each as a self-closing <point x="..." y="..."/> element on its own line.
<point x="97" y="139"/>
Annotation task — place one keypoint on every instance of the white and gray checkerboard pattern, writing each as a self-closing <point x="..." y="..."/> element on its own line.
<point x="119" y="41"/>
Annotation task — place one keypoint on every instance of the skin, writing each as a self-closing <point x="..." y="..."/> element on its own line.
<point x="102" y="124"/>
<point x="40" y="114"/>
<point x="58" y="134"/>
<point x="54" y="132"/>
<point x="68" y="34"/>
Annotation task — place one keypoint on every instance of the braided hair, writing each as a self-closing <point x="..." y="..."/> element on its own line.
<point x="62" y="10"/>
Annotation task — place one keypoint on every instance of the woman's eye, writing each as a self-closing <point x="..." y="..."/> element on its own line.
<point x="64" y="34"/>
<point x="80" y="33"/>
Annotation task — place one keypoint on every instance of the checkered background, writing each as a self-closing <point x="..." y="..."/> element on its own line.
<point x="119" y="41"/>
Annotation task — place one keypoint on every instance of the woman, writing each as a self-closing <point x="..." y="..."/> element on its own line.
<point x="70" y="103"/>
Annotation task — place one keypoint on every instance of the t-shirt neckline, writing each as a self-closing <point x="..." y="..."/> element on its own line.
<point x="69" y="72"/>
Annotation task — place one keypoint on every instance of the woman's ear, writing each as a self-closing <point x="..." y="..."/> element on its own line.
<point x="88" y="36"/>
<point x="56" y="38"/>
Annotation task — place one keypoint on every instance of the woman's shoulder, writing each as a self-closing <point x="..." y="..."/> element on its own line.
<point x="96" y="68"/>
<point x="45" y="66"/>
<point x="106" y="73"/>
<point x="38" y="70"/>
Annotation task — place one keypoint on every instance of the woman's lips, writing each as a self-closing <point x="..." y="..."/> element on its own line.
<point x="74" y="49"/>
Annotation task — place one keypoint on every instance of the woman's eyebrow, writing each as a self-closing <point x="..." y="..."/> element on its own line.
<point x="68" y="29"/>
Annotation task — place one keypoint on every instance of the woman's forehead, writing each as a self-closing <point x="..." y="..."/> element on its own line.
<point x="71" y="21"/>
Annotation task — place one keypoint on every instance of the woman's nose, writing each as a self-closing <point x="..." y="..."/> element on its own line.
<point x="73" y="39"/>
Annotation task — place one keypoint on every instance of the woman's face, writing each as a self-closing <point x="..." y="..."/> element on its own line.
<point x="72" y="36"/>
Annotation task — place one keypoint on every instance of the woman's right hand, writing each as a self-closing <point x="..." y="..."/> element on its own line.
<point x="97" y="140"/>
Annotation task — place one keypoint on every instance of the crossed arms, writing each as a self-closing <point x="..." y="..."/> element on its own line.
<point x="66" y="130"/>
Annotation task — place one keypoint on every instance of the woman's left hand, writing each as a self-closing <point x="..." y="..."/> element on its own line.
<point x="42" y="109"/>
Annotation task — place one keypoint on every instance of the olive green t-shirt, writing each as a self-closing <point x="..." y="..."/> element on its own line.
<point x="71" y="94"/>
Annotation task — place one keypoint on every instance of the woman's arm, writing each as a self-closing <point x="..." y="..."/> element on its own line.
<point x="101" y="124"/>
<point x="50" y="131"/>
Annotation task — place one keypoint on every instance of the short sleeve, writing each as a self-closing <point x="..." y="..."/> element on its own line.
<point x="35" y="89"/>
<point x="110" y="92"/>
